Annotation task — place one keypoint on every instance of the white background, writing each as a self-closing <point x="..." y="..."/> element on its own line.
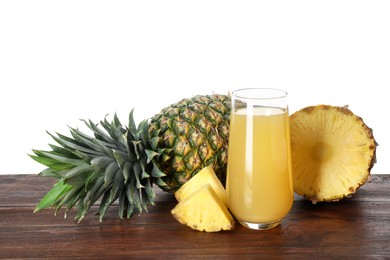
<point x="65" y="60"/>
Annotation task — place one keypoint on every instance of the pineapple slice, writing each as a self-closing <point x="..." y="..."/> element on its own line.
<point x="204" y="211"/>
<point x="333" y="152"/>
<point x="204" y="176"/>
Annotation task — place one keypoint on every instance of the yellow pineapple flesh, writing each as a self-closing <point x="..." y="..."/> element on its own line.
<point x="204" y="176"/>
<point x="203" y="210"/>
<point x="333" y="152"/>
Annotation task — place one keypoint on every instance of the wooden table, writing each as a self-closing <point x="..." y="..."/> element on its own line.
<point x="358" y="227"/>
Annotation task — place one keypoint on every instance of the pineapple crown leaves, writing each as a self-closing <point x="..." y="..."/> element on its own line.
<point x="116" y="164"/>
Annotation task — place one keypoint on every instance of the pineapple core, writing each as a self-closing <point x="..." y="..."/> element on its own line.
<point x="322" y="151"/>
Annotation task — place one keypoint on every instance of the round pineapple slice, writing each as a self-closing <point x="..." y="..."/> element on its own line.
<point x="332" y="151"/>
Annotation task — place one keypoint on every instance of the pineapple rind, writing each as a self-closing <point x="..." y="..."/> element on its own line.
<point x="204" y="211"/>
<point x="333" y="152"/>
<point x="192" y="133"/>
<point x="204" y="176"/>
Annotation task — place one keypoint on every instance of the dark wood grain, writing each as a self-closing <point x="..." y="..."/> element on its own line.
<point x="358" y="227"/>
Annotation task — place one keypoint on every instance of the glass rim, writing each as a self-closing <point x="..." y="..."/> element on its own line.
<point x="277" y="93"/>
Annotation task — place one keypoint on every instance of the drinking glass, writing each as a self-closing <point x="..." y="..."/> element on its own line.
<point x="259" y="181"/>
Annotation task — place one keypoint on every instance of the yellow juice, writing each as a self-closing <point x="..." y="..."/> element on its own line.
<point x="259" y="182"/>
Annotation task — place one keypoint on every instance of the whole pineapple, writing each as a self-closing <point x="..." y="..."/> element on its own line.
<point x="333" y="152"/>
<point x="123" y="162"/>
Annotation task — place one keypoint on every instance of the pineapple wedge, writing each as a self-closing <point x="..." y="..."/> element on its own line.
<point x="203" y="210"/>
<point x="204" y="176"/>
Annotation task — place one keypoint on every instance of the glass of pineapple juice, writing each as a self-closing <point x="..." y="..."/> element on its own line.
<point x="259" y="181"/>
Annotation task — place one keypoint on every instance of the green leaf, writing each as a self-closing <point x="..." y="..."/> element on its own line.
<point x="150" y="193"/>
<point x="120" y="157"/>
<point x="143" y="131"/>
<point x="159" y="182"/>
<point x="137" y="146"/>
<point x="73" y="143"/>
<point x="106" y="148"/>
<point x="87" y="141"/>
<point x="69" y="198"/>
<point x="137" y="200"/>
<point x="116" y="185"/>
<point x="145" y="175"/>
<point x="48" y="172"/>
<point x="57" y="174"/>
<point x="137" y="172"/>
<point x="73" y="200"/>
<point x="62" y="159"/>
<point x="109" y="173"/>
<point x="156" y="172"/>
<point x="116" y="121"/>
<point x="99" y="164"/>
<point x="86" y="157"/>
<point x="130" y="189"/>
<point x="122" y="138"/>
<point x="64" y="151"/>
<point x="51" y="163"/>
<point x="92" y="193"/>
<point x="79" y="171"/>
<point x="100" y="134"/>
<point x="122" y="205"/>
<point x="130" y="210"/>
<point x="126" y="169"/>
<point x="113" y="130"/>
<point x="53" y="195"/>
<point x="81" y="214"/>
<point x="151" y="154"/>
<point x="104" y="204"/>
<point x="153" y="142"/>
<point x="132" y="127"/>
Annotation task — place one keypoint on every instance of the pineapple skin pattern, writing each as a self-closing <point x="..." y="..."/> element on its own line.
<point x="194" y="133"/>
